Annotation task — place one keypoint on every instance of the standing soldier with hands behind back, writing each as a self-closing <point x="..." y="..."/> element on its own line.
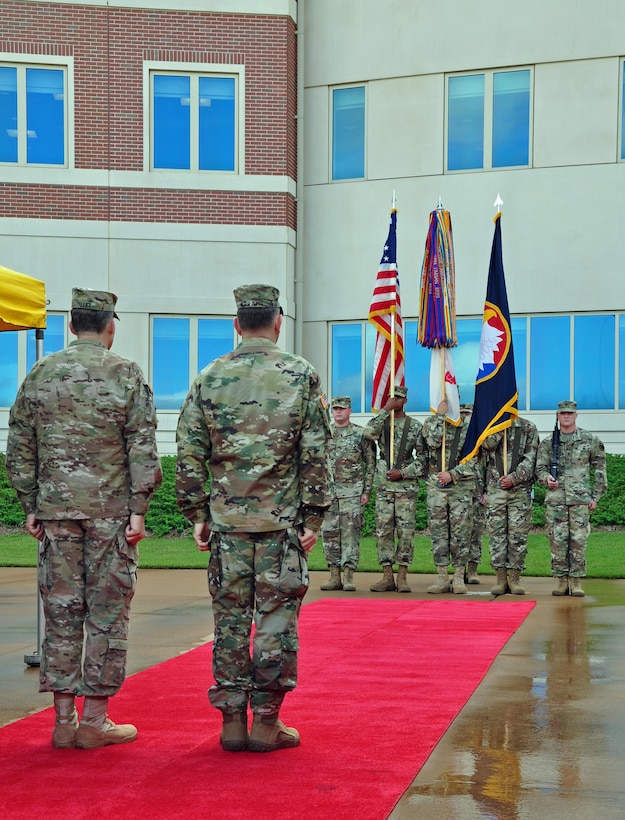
<point x="81" y="454"/>
<point x="255" y="422"/>
<point x="351" y="457"/>
<point x="571" y="464"/>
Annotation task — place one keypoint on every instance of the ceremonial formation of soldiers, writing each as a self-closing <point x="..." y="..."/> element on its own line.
<point x="489" y="494"/>
<point x="261" y="473"/>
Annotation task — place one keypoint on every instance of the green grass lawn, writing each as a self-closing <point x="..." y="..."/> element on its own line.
<point x="605" y="554"/>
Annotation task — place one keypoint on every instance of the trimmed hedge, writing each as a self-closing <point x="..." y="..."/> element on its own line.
<point x="164" y="517"/>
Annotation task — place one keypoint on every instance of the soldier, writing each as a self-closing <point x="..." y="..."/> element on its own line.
<point x="256" y="422"/>
<point x="81" y="454"/>
<point x="450" y="494"/>
<point x="478" y="512"/>
<point x="571" y="464"/>
<point x="397" y="483"/>
<point x="352" y="465"/>
<point x="509" y="500"/>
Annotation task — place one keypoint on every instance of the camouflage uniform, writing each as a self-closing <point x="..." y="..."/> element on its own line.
<point x="81" y="454"/>
<point x="396" y="501"/>
<point x="449" y="508"/>
<point x="509" y="511"/>
<point x="566" y="508"/>
<point x="478" y="518"/>
<point x="255" y="421"/>
<point x="351" y="458"/>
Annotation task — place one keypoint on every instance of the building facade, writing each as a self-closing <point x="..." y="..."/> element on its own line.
<point x="171" y="151"/>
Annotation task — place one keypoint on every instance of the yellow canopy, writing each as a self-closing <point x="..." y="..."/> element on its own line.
<point x="22" y="301"/>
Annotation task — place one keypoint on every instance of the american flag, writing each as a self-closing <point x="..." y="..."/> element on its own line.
<point x="385" y="316"/>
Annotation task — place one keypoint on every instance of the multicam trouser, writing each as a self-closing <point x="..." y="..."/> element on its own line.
<point x="246" y="576"/>
<point x="340" y="532"/>
<point x="478" y="521"/>
<point x="87" y="578"/>
<point x="450" y="520"/>
<point x="509" y="515"/>
<point x="568" y="526"/>
<point x="395" y="515"/>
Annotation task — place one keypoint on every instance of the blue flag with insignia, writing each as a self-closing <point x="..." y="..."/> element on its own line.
<point x="496" y="395"/>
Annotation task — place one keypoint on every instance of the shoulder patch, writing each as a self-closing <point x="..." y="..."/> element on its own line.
<point x="323" y="401"/>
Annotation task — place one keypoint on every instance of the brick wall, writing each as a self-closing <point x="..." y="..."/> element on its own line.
<point x="109" y="47"/>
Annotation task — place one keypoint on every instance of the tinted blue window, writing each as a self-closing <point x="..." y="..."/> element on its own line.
<point x="215" y="338"/>
<point x="593" y="366"/>
<point x="45" y="116"/>
<point x="417" y="366"/>
<point x="511" y="118"/>
<point x="8" y="368"/>
<point x="8" y="114"/>
<point x="216" y="123"/>
<point x="621" y="362"/>
<point x="465" y="118"/>
<point x="550" y="344"/>
<point x="518" y="327"/>
<point x="53" y="339"/>
<point x="347" y="364"/>
<point x="348" y="133"/>
<point x="170" y="364"/>
<point x="172" y="121"/>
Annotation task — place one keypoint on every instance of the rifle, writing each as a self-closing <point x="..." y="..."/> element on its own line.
<point x="556" y="446"/>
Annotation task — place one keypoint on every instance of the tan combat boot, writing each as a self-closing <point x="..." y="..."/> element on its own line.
<point x="563" y="586"/>
<point x="458" y="581"/>
<point x="348" y="580"/>
<point x="66" y="725"/>
<point x="269" y="734"/>
<point x="387" y="582"/>
<point x="513" y="582"/>
<point x="472" y="573"/>
<point x="334" y="581"/>
<point x="233" y="737"/>
<point x="575" y="588"/>
<point x="442" y="582"/>
<point x="501" y="587"/>
<point x="97" y="730"/>
<point x="402" y="579"/>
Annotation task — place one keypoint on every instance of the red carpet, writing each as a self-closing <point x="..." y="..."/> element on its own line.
<point x="367" y="707"/>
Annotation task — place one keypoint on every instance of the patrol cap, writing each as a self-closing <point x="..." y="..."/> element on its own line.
<point x="466" y="408"/>
<point x="401" y="391"/>
<point x="256" y="296"/>
<point x="567" y="407"/>
<point x="85" y="299"/>
<point x="341" y="401"/>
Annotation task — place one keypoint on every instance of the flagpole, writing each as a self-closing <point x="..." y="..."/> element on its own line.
<point x="444" y="398"/>
<point x="391" y="455"/>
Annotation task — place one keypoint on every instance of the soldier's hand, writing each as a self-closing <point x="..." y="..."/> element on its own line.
<point x="135" y="530"/>
<point x="34" y="527"/>
<point x="307" y="538"/>
<point x="393" y="474"/>
<point x="201" y="535"/>
<point x="505" y="482"/>
<point x="443" y="407"/>
<point x="552" y="484"/>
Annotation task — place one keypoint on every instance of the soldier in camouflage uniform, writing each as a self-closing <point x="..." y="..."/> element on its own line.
<point x="351" y="457"/>
<point x="571" y="496"/>
<point x="450" y="494"/>
<point x="255" y="422"/>
<point x="81" y="454"/>
<point x="397" y="484"/>
<point x="509" y="500"/>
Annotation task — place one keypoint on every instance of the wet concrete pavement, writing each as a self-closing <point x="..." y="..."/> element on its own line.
<point x="543" y="736"/>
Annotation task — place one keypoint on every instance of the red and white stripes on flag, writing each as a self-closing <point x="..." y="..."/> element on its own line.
<point x="385" y="316"/>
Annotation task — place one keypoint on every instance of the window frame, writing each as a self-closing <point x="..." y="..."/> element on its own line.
<point x="489" y="102"/>
<point x="22" y="62"/>
<point x="334" y="88"/>
<point x="195" y="71"/>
